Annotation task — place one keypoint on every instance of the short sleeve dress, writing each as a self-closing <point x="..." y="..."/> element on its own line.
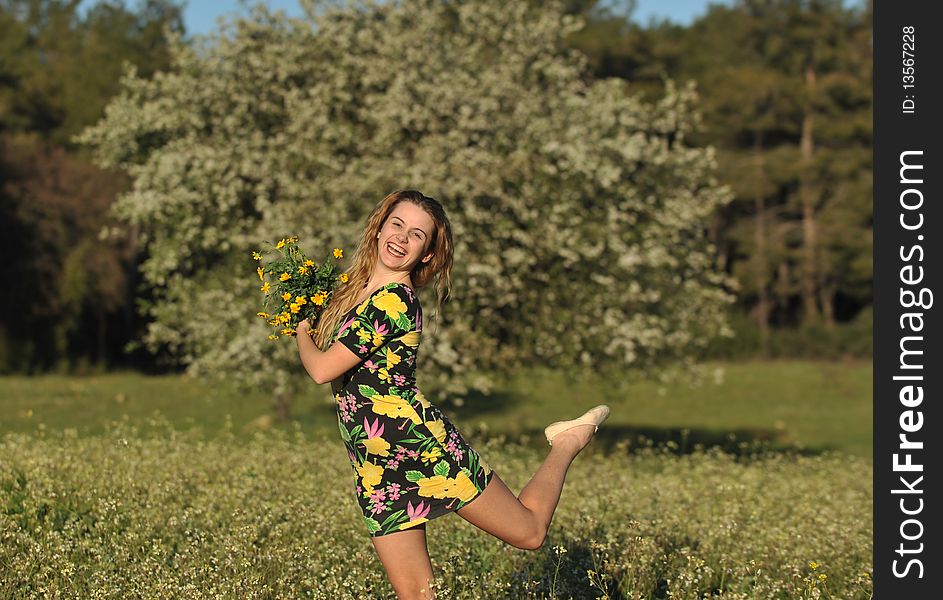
<point x="411" y="464"/>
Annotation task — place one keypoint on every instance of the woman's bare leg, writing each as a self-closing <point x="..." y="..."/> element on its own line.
<point x="522" y="521"/>
<point x="405" y="557"/>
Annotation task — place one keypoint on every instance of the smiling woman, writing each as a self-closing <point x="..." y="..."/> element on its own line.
<point x="410" y="463"/>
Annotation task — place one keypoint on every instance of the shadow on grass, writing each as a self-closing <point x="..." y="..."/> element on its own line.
<point x="682" y="440"/>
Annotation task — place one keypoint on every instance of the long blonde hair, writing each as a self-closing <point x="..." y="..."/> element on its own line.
<point x="365" y="258"/>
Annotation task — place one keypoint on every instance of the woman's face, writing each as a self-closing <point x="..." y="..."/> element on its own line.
<point x="404" y="237"/>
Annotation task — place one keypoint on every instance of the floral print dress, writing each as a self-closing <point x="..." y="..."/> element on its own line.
<point x="411" y="464"/>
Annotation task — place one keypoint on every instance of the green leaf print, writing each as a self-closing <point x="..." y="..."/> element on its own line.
<point x="344" y="435"/>
<point x="442" y="468"/>
<point x="410" y="441"/>
<point x="372" y="525"/>
<point x="366" y="390"/>
<point x="469" y="473"/>
<point x="414" y="476"/>
<point x="393" y="517"/>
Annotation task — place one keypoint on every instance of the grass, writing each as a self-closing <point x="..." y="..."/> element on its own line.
<point x="815" y="405"/>
<point x="756" y="484"/>
<point x="167" y="514"/>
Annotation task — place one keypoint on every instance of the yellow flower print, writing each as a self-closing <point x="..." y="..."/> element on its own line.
<point x="396" y="407"/>
<point x="389" y="303"/>
<point x="437" y="427"/>
<point x="460" y="487"/>
<point x="343" y="277"/>
<point x="422" y="400"/>
<point x="371" y="474"/>
<point x="286" y="296"/>
<point x="409" y="524"/>
<point x="261" y="273"/>
<point x="338" y="253"/>
<point x="392" y="358"/>
<point x="265" y="287"/>
<point x="430" y="456"/>
<point x="383" y="374"/>
<point x="285" y="276"/>
<point x="378" y="446"/>
<point x="363" y="334"/>
<point x="377" y="339"/>
<point x="411" y="339"/>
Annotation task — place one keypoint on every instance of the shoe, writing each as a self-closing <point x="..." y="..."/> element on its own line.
<point x="594" y="416"/>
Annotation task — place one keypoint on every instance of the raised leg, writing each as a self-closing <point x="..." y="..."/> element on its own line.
<point x="405" y="557"/>
<point x="522" y="521"/>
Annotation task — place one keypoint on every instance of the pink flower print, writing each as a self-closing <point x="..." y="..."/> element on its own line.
<point x="458" y="454"/>
<point x="381" y="329"/>
<point x="362" y="348"/>
<point x="372" y="366"/>
<point x="378" y="495"/>
<point x="359" y="490"/>
<point x="392" y="464"/>
<point x="412" y="453"/>
<point x="351" y="456"/>
<point x="344" y="326"/>
<point x="417" y="512"/>
<point x="450" y="446"/>
<point x="374" y="429"/>
<point x="399" y="380"/>
<point x="394" y="491"/>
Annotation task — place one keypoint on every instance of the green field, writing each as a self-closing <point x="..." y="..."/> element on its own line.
<point x="100" y="498"/>
<point x="817" y="405"/>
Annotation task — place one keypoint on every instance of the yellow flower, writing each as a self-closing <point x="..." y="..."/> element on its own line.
<point x="287" y="331"/>
<point x="390" y="303"/>
<point x="273" y="337"/>
<point x="430" y="456"/>
<point x="274" y="321"/>
<point x="318" y="299"/>
<point x="303" y="270"/>
<point x="392" y="358"/>
<point x="294" y="308"/>
<point x="813" y="565"/>
<point x="822" y="576"/>
<point x="285" y="276"/>
<point x="300" y="300"/>
<point x="396" y="407"/>
<point x="286" y="296"/>
<point x="265" y="287"/>
<point x="383" y="375"/>
<point x="338" y="253"/>
<point x="256" y="256"/>
<point x="437" y="428"/>
<point x="309" y="263"/>
<point x="421" y="399"/>
<point x="412" y="523"/>
<point x="411" y="339"/>
<point x="378" y="446"/>
<point x="371" y="474"/>
<point x="280" y="244"/>
<point x="343" y="277"/>
<point x="264" y="315"/>
<point x="260" y="272"/>
<point x="460" y="487"/>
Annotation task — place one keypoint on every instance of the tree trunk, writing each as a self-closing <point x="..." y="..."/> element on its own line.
<point x="761" y="255"/>
<point x="281" y="405"/>
<point x="807" y="198"/>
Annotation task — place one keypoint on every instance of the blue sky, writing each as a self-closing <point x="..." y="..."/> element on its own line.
<point x="200" y="15"/>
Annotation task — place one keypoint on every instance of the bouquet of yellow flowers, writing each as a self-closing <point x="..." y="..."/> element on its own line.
<point x="299" y="288"/>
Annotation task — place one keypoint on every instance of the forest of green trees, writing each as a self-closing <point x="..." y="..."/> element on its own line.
<point x="784" y="97"/>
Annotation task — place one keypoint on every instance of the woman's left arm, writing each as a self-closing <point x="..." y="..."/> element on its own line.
<point x="323" y="366"/>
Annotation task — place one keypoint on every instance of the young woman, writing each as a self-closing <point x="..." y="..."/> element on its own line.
<point x="410" y="463"/>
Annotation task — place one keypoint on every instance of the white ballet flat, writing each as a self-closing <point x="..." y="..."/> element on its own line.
<point x="594" y="416"/>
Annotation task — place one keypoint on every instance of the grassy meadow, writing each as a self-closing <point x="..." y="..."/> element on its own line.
<point x="756" y="484"/>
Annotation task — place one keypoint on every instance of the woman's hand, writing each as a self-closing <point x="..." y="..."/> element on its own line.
<point x="303" y="327"/>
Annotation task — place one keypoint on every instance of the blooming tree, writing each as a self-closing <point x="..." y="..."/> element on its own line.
<point x="579" y="212"/>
